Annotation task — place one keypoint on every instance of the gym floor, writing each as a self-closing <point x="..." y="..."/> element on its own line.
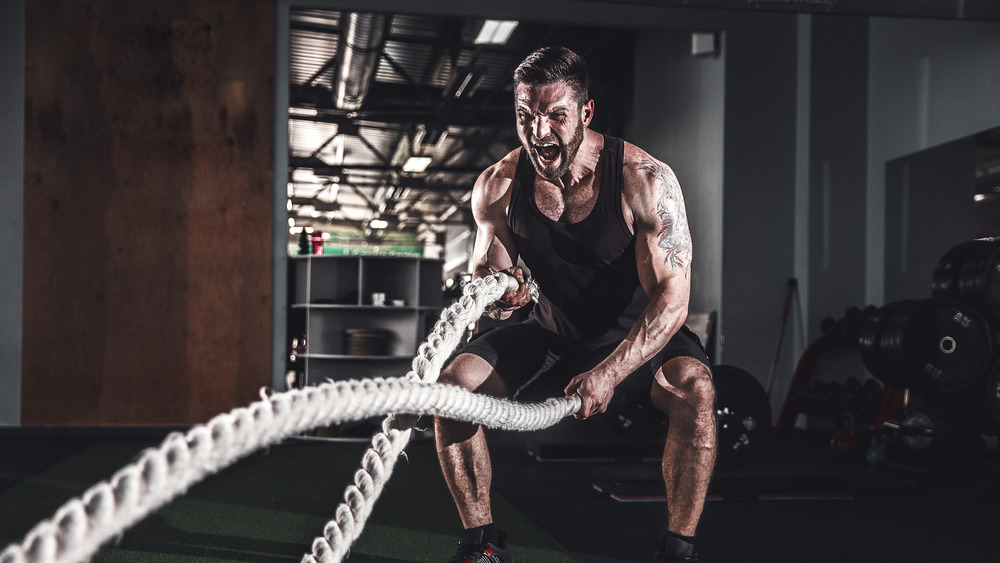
<point x="569" y="493"/>
<point x="791" y="502"/>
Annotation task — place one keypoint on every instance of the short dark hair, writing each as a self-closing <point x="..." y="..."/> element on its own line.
<point x="552" y="64"/>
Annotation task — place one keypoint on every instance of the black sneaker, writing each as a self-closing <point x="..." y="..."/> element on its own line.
<point x="672" y="554"/>
<point x="483" y="552"/>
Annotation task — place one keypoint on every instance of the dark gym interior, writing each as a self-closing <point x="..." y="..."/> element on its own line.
<point x="207" y="202"/>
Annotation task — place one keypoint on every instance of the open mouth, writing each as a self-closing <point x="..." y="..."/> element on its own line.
<point x="547" y="153"/>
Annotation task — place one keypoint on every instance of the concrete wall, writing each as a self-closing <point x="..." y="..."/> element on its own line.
<point x="929" y="209"/>
<point x="837" y="171"/>
<point x="11" y="205"/>
<point x="930" y="82"/>
<point x="680" y="109"/>
<point x="759" y="203"/>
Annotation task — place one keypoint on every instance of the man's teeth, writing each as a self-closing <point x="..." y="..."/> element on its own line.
<point x="547" y="152"/>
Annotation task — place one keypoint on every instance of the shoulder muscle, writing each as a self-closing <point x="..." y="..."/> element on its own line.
<point x="654" y="198"/>
<point x="491" y="193"/>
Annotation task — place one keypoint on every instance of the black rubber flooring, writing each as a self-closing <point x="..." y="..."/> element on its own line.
<point x="791" y="502"/>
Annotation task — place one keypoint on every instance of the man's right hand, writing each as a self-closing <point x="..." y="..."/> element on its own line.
<point x="502" y="308"/>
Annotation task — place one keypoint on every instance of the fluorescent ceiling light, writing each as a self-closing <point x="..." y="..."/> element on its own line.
<point x="495" y="32"/>
<point x="378" y="223"/>
<point x="417" y="164"/>
<point x="305" y="176"/>
<point x="303" y="112"/>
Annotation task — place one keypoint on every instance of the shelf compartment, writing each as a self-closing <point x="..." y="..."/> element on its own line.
<point x="328" y="328"/>
<point x="327" y="280"/>
<point x="331" y="294"/>
<point x="341" y="368"/>
<point x="431" y="290"/>
<point x="393" y="276"/>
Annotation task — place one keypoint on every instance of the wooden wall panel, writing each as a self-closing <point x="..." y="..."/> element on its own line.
<point x="148" y="210"/>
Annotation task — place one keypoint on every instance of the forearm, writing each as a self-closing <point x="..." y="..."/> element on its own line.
<point x="656" y="325"/>
<point x="484" y="271"/>
<point x="490" y="255"/>
<point x="496" y="257"/>
<point x="663" y="258"/>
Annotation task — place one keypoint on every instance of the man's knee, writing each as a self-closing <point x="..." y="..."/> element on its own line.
<point x="683" y="387"/>
<point x="702" y="388"/>
<point x="473" y="373"/>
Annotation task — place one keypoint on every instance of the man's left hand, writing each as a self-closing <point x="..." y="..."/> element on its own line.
<point x="595" y="389"/>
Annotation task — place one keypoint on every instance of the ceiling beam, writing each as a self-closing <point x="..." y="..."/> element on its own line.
<point x="395" y="102"/>
<point x="321" y="168"/>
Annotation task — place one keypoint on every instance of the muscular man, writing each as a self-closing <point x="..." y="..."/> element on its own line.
<point x="601" y="226"/>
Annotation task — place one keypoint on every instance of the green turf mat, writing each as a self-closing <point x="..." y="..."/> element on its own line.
<point x="270" y="507"/>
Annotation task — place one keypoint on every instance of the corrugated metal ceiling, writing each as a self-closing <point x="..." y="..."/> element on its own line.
<point x="346" y="164"/>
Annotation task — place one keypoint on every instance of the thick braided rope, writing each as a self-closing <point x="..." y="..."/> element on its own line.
<point x="83" y="524"/>
<point x="448" y="331"/>
<point x="378" y="462"/>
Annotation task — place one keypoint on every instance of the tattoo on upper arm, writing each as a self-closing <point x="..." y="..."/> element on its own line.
<point x="672" y="231"/>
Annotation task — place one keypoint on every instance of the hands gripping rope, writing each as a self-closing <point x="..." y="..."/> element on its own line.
<point x="78" y="529"/>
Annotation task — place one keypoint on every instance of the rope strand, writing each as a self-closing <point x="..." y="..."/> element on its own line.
<point x="78" y="528"/>
<point x="431" y="355"/>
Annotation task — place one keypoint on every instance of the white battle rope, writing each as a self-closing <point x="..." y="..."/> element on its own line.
<point x="377" y="463"/>
<point x="78" y="528"/>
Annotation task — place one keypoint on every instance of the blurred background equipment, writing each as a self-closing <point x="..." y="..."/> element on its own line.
<point x="938" y="360"/>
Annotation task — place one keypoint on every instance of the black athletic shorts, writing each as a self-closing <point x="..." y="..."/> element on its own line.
<point x="537" y="364"/>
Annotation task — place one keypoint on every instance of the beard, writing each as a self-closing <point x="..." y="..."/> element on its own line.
<point x="557" y="167"/>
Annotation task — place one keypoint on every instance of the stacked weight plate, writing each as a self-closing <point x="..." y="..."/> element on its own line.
<point x="970" y="272"/>
<point x="366" y="342"/>
<point x="945" y="346"/>
<point x="931" y="345"/>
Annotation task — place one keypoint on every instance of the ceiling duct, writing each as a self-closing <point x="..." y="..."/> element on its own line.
<point x="361" y="40"/>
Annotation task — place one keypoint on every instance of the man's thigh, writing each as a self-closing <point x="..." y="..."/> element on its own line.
<point x="516" y="352"/>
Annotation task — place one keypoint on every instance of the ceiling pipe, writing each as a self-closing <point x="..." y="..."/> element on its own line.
<point x="362" y="37"/>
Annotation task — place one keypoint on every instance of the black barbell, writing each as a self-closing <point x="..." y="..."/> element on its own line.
<point x="970" y="272"/>
<point x="742" y="410"/>
<point x="930" y="345"/>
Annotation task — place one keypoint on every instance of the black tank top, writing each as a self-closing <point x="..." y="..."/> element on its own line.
<point x="586" y="271"/>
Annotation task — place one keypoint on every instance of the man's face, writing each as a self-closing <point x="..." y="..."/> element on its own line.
<point x="550" y="124"/>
